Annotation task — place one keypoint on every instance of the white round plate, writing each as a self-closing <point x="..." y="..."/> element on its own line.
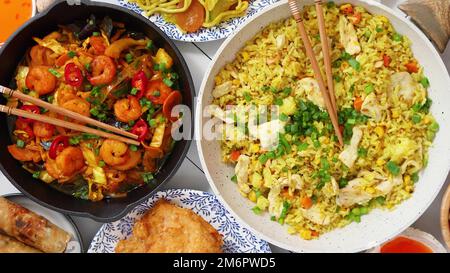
<point x="221" y="31"/>
<point x="237" y="239"/>
<point x="375" y="228"/>
<point x="75" y="244"/>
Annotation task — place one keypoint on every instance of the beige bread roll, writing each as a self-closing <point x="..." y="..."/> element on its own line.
<point x="31" y="229"/>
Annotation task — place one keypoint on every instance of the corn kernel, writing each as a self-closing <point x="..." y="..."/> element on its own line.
<point x="379" y="131"/>
<point x="426" y="120"/>
<point x="254" y="148"/>
<point x="380" y="162"/>
<point x="395" y="113"/>
<point x="252" y="196"/>
<point x="306" y="234"/>
<point x="245" y="56"/>
<point x="407" y="179"/>
<point x="218" y="80"/>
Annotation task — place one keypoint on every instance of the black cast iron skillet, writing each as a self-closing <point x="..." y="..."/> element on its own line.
<point x="13" y="52"/>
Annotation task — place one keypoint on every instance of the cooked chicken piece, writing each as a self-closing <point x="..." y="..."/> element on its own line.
<point x="371" y="107"/>
<point x="350" y="153"/>
<point x="353" y="194"/>
<point x="407" y="87"/>
<point x="267" y="133"/>
<point x="315" y="215"/>
<point x="241" y="171"/>
<point x="348" y="36"/>
<point x="167" y="228"/>
<point x="222" y="90"/>
<point x="310" y="87"/>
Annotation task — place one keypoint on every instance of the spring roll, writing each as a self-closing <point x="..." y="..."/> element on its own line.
<point x="31" y="229"/>
<point x="11" y="245"/>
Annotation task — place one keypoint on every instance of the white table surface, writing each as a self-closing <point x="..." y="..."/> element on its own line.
<point x="190" y="174"/>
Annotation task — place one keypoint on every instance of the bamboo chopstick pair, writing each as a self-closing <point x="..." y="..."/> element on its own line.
<point x="126" y="137"/>
<point x="327" y="93"/>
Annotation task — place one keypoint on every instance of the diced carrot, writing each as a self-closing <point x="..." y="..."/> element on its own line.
<point x="286" y="195"/>
<point x="412" y="67"/>
<point x="314" y="233"/>
<point x="306" y="202"/>
<point x="386" y="60"/>
<point x="356" y="18"/>
<point x="357" y="104"/>
<point x="235" y="155"/>
<point x="347" y="9"/>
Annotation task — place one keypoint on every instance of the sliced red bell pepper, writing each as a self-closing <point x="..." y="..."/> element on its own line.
<point x="73" y="75"/>
<point x="140" y="129"/>
<point x="58" y="144"/>
<point x="140" y="82"/>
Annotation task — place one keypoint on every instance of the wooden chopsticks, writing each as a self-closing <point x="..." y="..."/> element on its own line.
<point x="23" y="97"/>
<point x="63" y="123"/>
<point x="332" y="111"/>
<point x="326" y="52"/>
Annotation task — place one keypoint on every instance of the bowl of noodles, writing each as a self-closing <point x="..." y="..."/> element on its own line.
<point x="103" y="62"/>
<point x="268" y="148"/>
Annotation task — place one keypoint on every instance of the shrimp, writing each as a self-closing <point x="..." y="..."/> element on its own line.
<point x="127" y="110"/>
<point x="24" y="154"/>
<point x="103" y="70"/>
<point x="135" y="159"/>
<point x="68" y="163"/>
<point x="114" y="152"/>
<point x="40" y="80"/>
<point x="98" y="45"/>
<point x="43" y="130"/>
<point x="41" y="56"/>
<point x="64" y="94"/>
<point x="78" y="105"/>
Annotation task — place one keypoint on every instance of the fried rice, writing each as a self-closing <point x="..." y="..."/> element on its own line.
<point x="307" y="181"/>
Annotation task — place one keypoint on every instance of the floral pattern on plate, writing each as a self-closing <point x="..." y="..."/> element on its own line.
<point x="218" y="32"/>
<point x="237" y="239"/>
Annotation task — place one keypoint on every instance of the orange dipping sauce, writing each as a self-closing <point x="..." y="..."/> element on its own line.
<point x="13" y="13"/>
<point x="405" y="245"/>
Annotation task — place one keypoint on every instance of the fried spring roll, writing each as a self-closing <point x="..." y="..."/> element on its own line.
<point x="11" y="245"/>
<point x="31" y="229"/>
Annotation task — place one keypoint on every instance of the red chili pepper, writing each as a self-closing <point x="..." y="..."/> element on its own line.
<point x="140" y="129"/>
<point x="73" y="75"/>
<point x="58" y="145"/>
<point x="140" y="82"/>
<point x="30" y="108"/>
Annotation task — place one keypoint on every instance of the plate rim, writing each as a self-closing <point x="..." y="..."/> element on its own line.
<point x="197" y="38"/>
<point x="66" y="216"/>
<point x="184" y="191"/>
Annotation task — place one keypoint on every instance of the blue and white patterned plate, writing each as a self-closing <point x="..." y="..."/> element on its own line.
<point x="221" y="31"/>
<point x="237" y="239"/>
